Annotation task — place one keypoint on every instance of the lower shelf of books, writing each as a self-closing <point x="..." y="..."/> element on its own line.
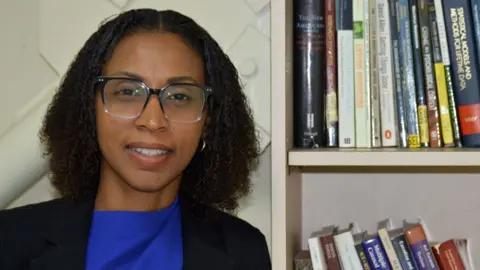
<point x="368" y="214"/>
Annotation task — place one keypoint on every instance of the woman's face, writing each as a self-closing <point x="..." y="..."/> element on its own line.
<point x="149" y="153"/>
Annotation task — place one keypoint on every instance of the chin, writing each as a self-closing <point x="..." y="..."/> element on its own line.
<point x="147" y="186"/>
<point x="149" y="182"/>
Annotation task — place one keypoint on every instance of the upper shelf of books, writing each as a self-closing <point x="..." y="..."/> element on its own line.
<point x="402" y="76"/>
<point x="385" y="157"/>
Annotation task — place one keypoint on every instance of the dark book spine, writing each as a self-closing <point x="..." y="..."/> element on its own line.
<point x="408" y="77"/>
<point x="331" y="94"/>
<point x="461" y="41"/>
<point x="309" y="74"/>
<point x="330" y="252"/>
<point x="362" y="256"/>
<point x="403" y="252"/>
<point x="475" y="6"/>
<point x="429" y="76"/>
<point x="418" y="71"/>
<point x="400" y="104"/>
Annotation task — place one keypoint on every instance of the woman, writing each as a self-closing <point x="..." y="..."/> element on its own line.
<point x="151" y="143"/>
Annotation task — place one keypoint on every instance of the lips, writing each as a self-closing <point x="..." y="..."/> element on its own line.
<point x="148" y="154"/>
<point x="149" y="146"/>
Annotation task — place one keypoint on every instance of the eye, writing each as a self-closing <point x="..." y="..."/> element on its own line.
<point x="129" y="92"/>
<point x="178" y="96"/>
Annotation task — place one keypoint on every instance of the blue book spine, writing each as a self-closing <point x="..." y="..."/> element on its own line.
<point x="407" y="71"/>
<point x="418" y="71"/>
<point x="465" y="67"/>
<point x="423" y="255"/>
<point x="475" y="6"/>
<point x="401" y="117"/>
<point x="376" y="255"/>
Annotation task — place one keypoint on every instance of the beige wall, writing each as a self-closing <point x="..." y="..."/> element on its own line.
<point x="40" y="38"/>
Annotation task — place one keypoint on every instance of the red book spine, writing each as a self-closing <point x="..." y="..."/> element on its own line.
<point x="330" y="252"/>
<point x="448" y="253"/>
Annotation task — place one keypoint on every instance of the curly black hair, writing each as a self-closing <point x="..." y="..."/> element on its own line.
<point x="217" y="177"/>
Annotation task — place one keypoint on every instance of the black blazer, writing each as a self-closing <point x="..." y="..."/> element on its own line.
<point x="53" y="235"/>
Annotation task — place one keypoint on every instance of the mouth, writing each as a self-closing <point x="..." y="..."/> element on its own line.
<point x="149" y="152"/>
<point x="149" y="155"/>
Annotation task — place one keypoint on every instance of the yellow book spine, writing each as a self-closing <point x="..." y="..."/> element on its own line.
<point x="442" y="94"/>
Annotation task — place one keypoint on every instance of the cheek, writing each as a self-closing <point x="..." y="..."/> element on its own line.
<point x="108" y="128"/>
<point x="187" y="136"/>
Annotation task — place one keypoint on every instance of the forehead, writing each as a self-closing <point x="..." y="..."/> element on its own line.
<point x="155" y="57"/>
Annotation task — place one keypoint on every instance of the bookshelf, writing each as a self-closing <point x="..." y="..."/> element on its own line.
<point x="316" y="187"/>
<point x="397" y="157"/>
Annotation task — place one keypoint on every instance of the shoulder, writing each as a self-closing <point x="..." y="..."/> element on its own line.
<point x="21" y="229"/>
<point x="27" y="215"/>
<point x="245" y="240"/>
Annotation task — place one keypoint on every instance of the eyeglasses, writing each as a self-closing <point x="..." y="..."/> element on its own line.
<point x="128" y="97"/>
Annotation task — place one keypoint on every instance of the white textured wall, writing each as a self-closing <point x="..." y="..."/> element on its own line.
<point x="40" y="38"/>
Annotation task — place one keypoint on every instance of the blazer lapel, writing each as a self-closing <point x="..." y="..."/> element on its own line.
<point x="66" y="236"/>
<point x="203" y="246"/>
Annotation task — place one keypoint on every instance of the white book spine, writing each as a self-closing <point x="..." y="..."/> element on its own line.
<point x="346" y="251"/>
<point x="386" y="76"/>
<point x="316" y="254"/>
<point x="366" y="74"/>
<point x="374" y="91"/>
<point x="389" y="249"/>
<point x="361" y="110"/>
<point x="346" y="89"/>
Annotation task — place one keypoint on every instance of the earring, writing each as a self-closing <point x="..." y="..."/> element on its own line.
<point x="204" y="144"/>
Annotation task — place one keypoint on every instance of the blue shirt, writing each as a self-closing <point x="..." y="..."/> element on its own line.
<point x="136" y="240"/>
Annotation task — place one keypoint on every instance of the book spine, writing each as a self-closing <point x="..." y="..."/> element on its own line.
<point x="404" y="254"/>
<point x="389" y="250"/>
<point x="461" y="41"/>
<point x="331" y="106"/>
<point x="386" y="77"/>
<point x="445" y="118"/>
<point x="346" y="88"/>
<point x="448" y="253"/>
<point x="452" y="105"/>
<point x="330" y="252"/>
<point x="346" y="251"/>
<point x="400" y="104"/>
<point x="361" y="112"/>
<point x="374" y="90"/>
<point x="309" y="70"/>
<point x="316" y="254"/>
<point x="418" y="71"/>
<point x="408" y="79"/>
<point x="366" y="65"/>
<point x="429" y="76"/>
<point x="422" y="253"/>
<point x="475" y="6"/>
<point x="362" y="256"/>
<point x="376" y="256"/>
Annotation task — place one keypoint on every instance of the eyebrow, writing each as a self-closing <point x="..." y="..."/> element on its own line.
<point x="175" y="79"/>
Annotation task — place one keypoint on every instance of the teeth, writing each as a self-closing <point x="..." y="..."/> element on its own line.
<point x="150" y="152"/>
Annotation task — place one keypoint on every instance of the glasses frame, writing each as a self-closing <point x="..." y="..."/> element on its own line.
<point x="103" y="80"/>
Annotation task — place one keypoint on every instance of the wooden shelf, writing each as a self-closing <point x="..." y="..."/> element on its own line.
<point x="397" y="157"/>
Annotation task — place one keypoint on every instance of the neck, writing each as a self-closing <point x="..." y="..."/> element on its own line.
<point x="114" y="194"/>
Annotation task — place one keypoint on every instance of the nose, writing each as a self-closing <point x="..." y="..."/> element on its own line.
<point x="152" y="116"/>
